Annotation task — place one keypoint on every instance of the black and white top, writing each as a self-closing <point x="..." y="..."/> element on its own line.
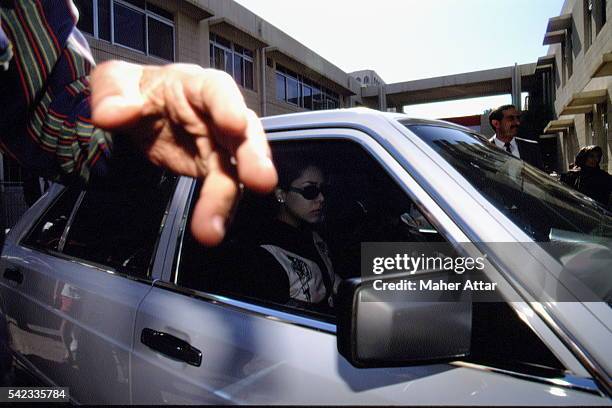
<point x="284" y="263"/>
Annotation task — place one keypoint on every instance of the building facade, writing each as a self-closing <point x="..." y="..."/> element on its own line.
<point x="276" y="73"/>
<point x="580" y="53"/>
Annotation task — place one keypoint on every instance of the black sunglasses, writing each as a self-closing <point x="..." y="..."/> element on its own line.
<point x="311" y="192"/>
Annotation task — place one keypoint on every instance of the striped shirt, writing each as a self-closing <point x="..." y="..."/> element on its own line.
<point x="45" y="115"/>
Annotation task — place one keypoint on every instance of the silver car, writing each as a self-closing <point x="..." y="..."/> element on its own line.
<point x="106" y="292"/>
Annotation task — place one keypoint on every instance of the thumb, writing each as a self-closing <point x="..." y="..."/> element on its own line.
<point x="116" y="100"/>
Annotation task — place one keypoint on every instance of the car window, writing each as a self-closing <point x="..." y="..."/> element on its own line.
<point x="47" y="232"/>
<point x="268" y="261"/>
<point x="562" y="221"/>
<point x="542" y="207"/>
<point x="119" y="228"/>
<point x="363" y="203"/>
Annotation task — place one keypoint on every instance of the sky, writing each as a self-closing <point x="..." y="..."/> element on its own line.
<point x="404" y="40"/>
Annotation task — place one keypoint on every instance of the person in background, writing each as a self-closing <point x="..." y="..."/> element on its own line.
<point x="506" y="120"/>
<point x="63" y="121"/>
<point x="586" y="176"/>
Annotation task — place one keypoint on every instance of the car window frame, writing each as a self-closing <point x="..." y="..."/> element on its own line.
<point x="378" y="153"/>
<point x="375" y="146"/>
<point x="35" y="222"/>
<point x="88" y="263"/>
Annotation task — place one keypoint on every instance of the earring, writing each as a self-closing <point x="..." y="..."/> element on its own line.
<point x="280" y="200"/>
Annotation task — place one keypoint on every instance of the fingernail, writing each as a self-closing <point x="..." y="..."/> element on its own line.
<point x="266" y="162"/>
<point x="218" y="224"/>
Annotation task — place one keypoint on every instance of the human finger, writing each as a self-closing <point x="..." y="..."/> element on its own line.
<point x="218" y="99"/>
<point x="217" y="198"/>
<point x="181" y="112"/>
<point x="116" y="101"/>
<point x="254" y="158"/>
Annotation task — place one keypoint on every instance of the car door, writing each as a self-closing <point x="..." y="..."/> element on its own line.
<point x="199" y="340"/>
<point x="77" y="274"/>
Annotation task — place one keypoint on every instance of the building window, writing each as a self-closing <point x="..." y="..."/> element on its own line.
<point x="602" y="110"/>
<point x="104" y="20"/>
<point x="564" y="61"/>
<point x="590" y="128"/>
<point x="588" y="23"/>
<point x="293" y="92"/>
<point x="129" y="27"/>
<point x="317" y="99"/>
<point x="567" y="58"/>
<point x="233" y="59"/>
<point x="281" y="87"/>
<point x="307" y="96"/>
<point x="86" y="15"/>
<point x="135" y="24"/>
<point x="600" y="14"/>
<point x="570" y="55"/>
<point x="366" y="80"/>
<point x="297" y="90"/>
<point x="161" y="39"/>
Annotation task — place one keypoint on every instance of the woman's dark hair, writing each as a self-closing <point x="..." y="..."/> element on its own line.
<point x="291" y="167"/>
<point x="584" y="152"/>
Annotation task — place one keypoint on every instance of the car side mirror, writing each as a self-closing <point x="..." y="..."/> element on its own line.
<point x="400" y="327"/>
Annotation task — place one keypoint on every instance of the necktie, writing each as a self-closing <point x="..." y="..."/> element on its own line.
<point x="508" y="147"/>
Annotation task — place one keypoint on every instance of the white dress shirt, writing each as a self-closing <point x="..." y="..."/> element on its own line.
<point x="513" y="146"/>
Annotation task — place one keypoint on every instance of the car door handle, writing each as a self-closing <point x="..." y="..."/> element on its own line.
<point x="14" y="274"/>
<point x="171" y="346"/>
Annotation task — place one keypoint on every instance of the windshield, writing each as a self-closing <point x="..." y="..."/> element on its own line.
<point x="540" y="205"/>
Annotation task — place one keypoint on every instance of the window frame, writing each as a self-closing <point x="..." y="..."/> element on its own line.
<point x="234" y="50"/>
<point x="57" y="197"/>
<point x="164" y="21"/>
<point x="146" y="13"/>
<point x="319" y="94"/>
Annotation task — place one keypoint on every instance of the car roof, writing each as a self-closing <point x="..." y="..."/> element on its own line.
<point x="359" y="116"/>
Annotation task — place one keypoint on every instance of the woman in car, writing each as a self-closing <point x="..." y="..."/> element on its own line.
<point x="289" y="261"/>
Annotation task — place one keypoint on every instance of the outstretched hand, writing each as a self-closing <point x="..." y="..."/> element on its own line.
<point x="192" y="121"/>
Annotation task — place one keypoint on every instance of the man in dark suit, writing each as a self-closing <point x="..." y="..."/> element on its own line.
<point x="505" y="120"/>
